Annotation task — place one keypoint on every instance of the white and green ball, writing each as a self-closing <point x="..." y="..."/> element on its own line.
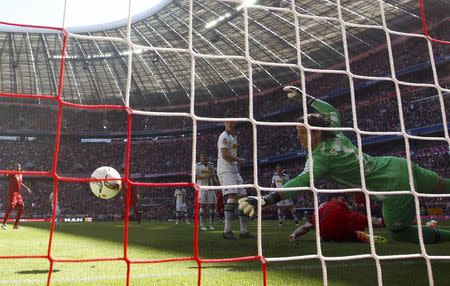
<point x="108" y="188"/>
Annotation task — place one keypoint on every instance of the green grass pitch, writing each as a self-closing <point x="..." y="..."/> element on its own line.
<point x="161" y="240"/>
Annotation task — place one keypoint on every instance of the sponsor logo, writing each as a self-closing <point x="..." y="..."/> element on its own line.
<point x="73" y="219"/>
<point x="77" y="219"/>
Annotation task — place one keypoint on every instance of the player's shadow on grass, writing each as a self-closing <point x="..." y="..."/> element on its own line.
<point x="179" y="240"/>
<point x="36" y="271"/>
<point x="158" y="236"/>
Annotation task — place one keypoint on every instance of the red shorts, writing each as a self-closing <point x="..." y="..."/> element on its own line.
<point x="15" y="201"/>
<point x="219" y="204"/>
<point x="133" y="203"/>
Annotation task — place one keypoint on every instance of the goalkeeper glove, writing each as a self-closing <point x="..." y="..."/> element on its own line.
<point x="294" y="92"/>
<point x="249" y="204"/>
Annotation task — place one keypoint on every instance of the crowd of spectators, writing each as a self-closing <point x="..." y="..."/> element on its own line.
<point x="421" y="107"/>
<point x="77" y="199"/>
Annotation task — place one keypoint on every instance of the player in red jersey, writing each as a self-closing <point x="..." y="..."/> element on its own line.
<point x="219" y="205"/>
<point x="15" y="198"/>
<point x="134" y="202"/>
<point x="338" y="223"/>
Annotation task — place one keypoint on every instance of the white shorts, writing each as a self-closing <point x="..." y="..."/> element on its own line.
<point x="181" y="208"/>
<point x="207" y="197"/>
<point x="229" y="178"/>
<point x="285" y="203"/>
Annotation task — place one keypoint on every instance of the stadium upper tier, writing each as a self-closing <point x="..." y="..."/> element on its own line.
<point x="171" y="155"/>
<point x="376" y="109"/>
<point x="96" y="69"/>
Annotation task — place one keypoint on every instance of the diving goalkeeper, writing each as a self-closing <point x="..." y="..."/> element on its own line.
<point x="334" y="155"/>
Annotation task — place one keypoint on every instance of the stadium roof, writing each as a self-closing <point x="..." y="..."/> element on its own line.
<point x="81" y="16"/>
<point x="96" y="70"/>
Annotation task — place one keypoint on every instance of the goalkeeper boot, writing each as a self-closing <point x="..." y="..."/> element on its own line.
<point x="228" y="235"/>
<point x="380" y="239"/>
<point x="364" y="237"/>
<point x="4" y="227"/>
<point x="246" y="235"/>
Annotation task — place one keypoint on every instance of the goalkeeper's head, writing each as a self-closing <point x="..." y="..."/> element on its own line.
<point x="315" y="120"/>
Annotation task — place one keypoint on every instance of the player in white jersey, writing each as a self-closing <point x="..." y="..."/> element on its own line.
<point x="58" y="210"/>
<point x="278" y="180"/>
<point x="228" y="174"/>
<point x="181" y="208"/>
<point x="205" y="174"/>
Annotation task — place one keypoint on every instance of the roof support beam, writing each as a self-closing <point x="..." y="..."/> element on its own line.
<point x="51" y="70"/>
<point x="33" y="73"/>
<point x="93" y="79"/>
<point x="195" y="50"/>
<point x="148" y="43"/>
<point x="188" y="63"/>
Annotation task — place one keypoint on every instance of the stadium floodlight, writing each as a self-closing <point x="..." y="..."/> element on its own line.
<point x="228" y="15"/>
<point x="245" y="3"/>
<point x="214" y="23"/>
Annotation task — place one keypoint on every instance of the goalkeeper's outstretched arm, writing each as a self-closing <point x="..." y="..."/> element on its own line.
<point x="318" y="105"/>
<point x="248" y="205"/>
<point x="321" y="161"/>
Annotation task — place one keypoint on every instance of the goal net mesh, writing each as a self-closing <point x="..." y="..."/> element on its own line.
<point x="194" y="56"/>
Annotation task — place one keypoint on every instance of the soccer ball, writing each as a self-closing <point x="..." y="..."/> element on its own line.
<point x="107" y="189"/>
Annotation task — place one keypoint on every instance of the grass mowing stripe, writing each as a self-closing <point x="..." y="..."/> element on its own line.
<point x="157" y="240"/>
<point x="181" y="274"/>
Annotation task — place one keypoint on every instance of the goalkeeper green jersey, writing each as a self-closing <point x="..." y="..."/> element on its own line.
<point x="338" y="158"/>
